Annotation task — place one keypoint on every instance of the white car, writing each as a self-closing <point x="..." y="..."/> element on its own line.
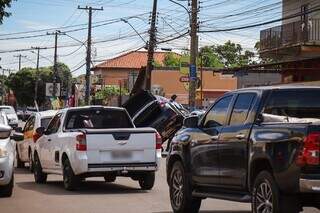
<point x="25" y="147"/>
<point x="11" y="114"/>
<point x="96" y="141"/>
<point x="7" y="156"/>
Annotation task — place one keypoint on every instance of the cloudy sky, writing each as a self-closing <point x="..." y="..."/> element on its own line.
<point x="32" y="19"/>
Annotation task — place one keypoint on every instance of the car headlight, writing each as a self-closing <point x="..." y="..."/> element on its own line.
<point x="3" y="152"/>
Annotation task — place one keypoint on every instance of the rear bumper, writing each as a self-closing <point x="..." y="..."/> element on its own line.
<point x="310" y="185"/>
<point x="124" y="168"/>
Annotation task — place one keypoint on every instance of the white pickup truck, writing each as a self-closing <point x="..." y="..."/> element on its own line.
<point x="96" y="141"/>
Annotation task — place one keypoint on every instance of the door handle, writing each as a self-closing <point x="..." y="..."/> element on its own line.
<point x="240" y="136"/>
<point x="215" y="137"/>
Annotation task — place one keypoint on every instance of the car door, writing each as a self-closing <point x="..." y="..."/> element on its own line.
<point x="233" y="143"/>
<point x="204" y="145"/>
<point x="47" y="144"/>
<point x="28" y="136"/>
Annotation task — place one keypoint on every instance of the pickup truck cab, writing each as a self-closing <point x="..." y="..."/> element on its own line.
<point x="258" y="145"/>
<point x="96" y="141"/>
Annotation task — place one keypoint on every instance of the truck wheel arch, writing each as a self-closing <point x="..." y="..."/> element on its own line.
<point x="63" y="158"/>
<point x="257" y="166"/>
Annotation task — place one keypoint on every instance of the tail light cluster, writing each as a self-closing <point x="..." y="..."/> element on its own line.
<point x="35" y="137"/>
<point x="309" y="154"/>
<point x="81" y="144"/>
<point x="158" y="141"/>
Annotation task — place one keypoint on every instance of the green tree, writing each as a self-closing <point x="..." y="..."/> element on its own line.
<point x="209" y="58"/>
<point x="23" y="83"/>
<point x="3" y="5"/>
<point x="110" y="91"/>
<point x="232" y="55"/>
<point x="171" y="60"/>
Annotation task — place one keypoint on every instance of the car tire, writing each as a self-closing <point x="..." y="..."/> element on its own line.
<point x="146" y="182"/>
<point x="31" y="163"/>
<point x="6" y="191"/>
<point x="266" y="196"/>
<point x="70" y="180"/>
<point x="180" y="190"/>
<point x="110" y="179"/>
<point x="39" y="176"/>
<point x="20" y="164"/>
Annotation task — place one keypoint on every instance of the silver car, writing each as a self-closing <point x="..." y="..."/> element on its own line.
<point x="7" y="156"/>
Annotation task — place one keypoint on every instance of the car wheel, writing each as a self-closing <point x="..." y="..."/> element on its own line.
<point x="70" y="180"/>
<point x="6" y="191"/>
<point x="266" y="197"/>
<point x="31" y="166"/>
<point x="39" y="176"/>
<point x="181" y="191"/>
<point x="20" y="164"/>
<point x="147" y="181"/>
<point x="110" y="179"/>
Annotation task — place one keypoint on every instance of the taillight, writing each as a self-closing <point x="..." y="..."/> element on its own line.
<point x="309" y="154"/>
<point x="162" y="104"/>
<point x="81" y="142"/>
<point x="35" y="137"/>
<point x="158" y="141"/>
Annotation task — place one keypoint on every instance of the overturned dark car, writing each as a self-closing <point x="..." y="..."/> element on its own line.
<point x="148" y="110"/>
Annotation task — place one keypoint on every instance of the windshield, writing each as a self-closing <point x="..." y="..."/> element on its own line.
<point x="295" y="103"/>
<point x="7" y="110"/>
<point x="45" y="122"/>
<point x="98" y="119"/>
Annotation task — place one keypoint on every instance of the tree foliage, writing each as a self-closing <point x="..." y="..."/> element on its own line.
<point x="110" y="91"/>
<point x="171" y="60"/>
<point x="4" y="4"/>
<point x="23" y="83"/>
<point x="209" y="58"/>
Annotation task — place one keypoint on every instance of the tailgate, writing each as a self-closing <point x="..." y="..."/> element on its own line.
<point x="121" y="146"/>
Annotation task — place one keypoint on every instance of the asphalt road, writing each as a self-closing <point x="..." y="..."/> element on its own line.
<point x="95" y="196"/>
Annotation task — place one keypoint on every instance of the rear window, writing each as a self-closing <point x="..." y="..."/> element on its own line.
<point x="7" y="110"/>
<point x="98" y="119"/>
<point x="294" y="103"/>
<point x="45" y="122"/>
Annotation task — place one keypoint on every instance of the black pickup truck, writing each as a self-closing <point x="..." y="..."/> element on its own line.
<point x="257" y="145"/>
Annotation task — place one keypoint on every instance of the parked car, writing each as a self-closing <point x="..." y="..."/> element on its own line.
<point x="25" y="147"/>
<point x="11" y="114"/>
<point x="96" y="141"/>
<point x="258" y="145"/>
<point x="148" y="110"/>
<point x="7" y="153"/>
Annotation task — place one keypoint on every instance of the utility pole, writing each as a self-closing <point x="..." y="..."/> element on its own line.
<point x="55" y="68"/>
<point x="193" y="53"/>
<point x="20" y="56"/>
<point x="37" y="72"/>
<point x="152" y="45"/>
<point x="88" y="59"/>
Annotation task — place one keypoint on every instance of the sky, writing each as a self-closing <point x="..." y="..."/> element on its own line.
<point x="112" y="36"/>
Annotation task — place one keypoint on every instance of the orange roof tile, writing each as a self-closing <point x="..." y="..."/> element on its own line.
<point x="134" y="59"/>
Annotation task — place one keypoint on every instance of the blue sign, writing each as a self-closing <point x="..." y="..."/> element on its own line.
<point x="193" y="72"/>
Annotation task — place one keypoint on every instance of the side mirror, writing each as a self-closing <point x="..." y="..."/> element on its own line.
<point x="259" y="119"/>
<point x="40" y="131"/>
<point x="17" y="136"/>
<point x="191" y="122"/>
<point x="18" y="129"/>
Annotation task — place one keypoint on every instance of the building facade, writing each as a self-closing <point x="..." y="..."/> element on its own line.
<point x="295" y="43"/>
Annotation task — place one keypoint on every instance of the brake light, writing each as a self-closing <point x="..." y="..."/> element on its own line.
<point x="158" y="141"/>
<point x="309" y="155"/>
<point x="81" y="142"/>
<point x="35" y="137"/>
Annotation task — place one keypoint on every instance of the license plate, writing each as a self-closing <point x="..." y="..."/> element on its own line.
<point x="121" y="155"/>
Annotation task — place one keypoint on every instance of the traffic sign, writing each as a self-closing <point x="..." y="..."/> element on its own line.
<point x="184" y="79"/>
<point x="49" y="89"/>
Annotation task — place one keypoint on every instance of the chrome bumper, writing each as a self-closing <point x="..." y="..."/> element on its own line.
<point x="309" y="186"/>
